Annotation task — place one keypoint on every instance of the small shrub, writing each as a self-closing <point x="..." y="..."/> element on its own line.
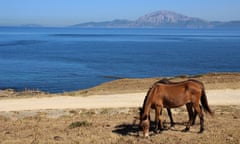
<point x="73" y="112"/>
<point x="183" y="76"/>
<point x="197" y="76"/>
<point x="79" y="124"/>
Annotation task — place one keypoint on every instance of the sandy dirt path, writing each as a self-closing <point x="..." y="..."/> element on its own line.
<point x="215" y="97"/>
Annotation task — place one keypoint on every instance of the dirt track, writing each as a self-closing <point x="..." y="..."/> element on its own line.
<point x="215" y="97"/>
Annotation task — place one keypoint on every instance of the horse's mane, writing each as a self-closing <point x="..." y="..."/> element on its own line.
<point x="167" y="81"/>
<point x="163" y="81"/>
<point x="144" y="102"/>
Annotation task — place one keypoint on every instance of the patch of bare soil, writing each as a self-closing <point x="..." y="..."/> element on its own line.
<point x="98" y="126"/>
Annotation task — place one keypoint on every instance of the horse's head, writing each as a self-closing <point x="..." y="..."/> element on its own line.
<point x="144" y="123"/>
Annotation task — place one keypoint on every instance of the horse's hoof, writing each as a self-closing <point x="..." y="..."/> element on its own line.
<point x="155" y="131"/>
<point x="186" y="130"/>
<point x="172" y="128"/>
<point x="165" y="127"/>
<point x="162" y="129"/>
<point x="201" y="131"/>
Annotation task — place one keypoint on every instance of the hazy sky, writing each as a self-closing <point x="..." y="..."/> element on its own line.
<point x="69" y="12"/>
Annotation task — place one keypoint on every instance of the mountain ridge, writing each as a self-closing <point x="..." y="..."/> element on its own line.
<point x="160" y="19"/>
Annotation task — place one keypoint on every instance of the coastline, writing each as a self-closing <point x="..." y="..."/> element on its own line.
<point x="212" y="81"/>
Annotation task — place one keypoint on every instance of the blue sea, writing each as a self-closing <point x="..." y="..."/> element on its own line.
<point x="67" y="59"/>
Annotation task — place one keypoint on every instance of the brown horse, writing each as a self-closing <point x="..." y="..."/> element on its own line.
<point x="192" y="115"/>
<point x="171" y="96"/>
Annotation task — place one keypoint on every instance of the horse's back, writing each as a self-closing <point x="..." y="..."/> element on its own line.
<point x="172" y="95"/>
<point x="186" y="88"/>
<point x="175" y="85"/>
<point x="167" y="81"/>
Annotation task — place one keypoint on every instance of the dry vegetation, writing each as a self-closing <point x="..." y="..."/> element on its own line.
<point x="96" y="126"/>
<point x="133" y="85"/>
<point x="127" y="85"/>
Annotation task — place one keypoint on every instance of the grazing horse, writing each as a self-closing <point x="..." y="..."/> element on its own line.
<point x="192" y="115"/>
<point x="171" y="96"/>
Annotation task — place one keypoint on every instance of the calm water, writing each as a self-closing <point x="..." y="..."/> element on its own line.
<point x="66" y="59"/>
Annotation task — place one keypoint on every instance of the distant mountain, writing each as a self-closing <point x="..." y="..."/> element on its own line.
<point x="114" y="23"/>
<point x="31" y="25"/>
<point x="24" y="25"/>
<point x="160" y="19"/>
<point x="170" y="19"/>
<point x="230" y="24"/>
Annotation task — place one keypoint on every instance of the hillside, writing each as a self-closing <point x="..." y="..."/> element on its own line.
<point x="161" y="19"/>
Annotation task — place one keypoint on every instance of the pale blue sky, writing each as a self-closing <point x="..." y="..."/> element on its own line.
<point x="69" y="12"/>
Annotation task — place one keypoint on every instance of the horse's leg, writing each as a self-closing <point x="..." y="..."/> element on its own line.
<point x="190" y="116"/>
<point x="195" y="115"/>
<point x="198" y="109"/>
<point x="158" y="120"/>
<point x="190" y="112"/>
<point x="170" y="116"/>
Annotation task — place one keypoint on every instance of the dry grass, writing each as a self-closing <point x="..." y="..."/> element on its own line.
<point x="133" y="85"/>
<point x="98" y="126"/>
<point x="127" y="85"/>
<point x="11" y="93"/>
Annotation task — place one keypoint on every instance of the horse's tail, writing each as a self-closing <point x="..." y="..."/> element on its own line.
<point x="204" y="102"/>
